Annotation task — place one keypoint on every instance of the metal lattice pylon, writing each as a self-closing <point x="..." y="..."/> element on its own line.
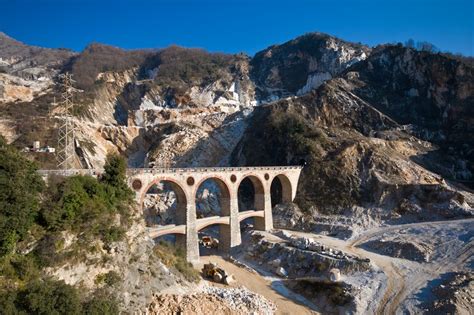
<point x="66" y="149"/>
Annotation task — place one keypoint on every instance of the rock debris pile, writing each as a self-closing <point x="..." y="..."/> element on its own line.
<point x="212" y="300"/>
<point x="401" y="248"/>
<point x="242" y="300"/>
<point x="305" y="243"/>
<point x="453" y="296"/>
<point x="198" y="303"/>
<point x="302" y="257"/>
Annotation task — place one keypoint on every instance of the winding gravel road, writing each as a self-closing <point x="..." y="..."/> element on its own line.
<point x="404" y="277"/>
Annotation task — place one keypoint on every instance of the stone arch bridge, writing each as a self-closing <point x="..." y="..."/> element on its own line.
<point x="185" y="182"/>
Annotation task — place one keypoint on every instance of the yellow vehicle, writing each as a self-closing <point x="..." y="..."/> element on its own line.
<point x="217" y="274"/>
<point x="209" y="242"/>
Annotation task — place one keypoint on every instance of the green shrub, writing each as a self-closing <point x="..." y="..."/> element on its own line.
<point x="110" y="278"/>
<point x="20" y="188"/>
<point x="90" y="206"/>
<point x="174" y="257"/>
<point x="48" y="297"/>
<point x="7" y="302"/>
<point x="101" y="304"/>
<point x="112" y="234"/>
<point x="25" y="267"/>
<point x="116" y="178"/>
<point x="73" y="200"/>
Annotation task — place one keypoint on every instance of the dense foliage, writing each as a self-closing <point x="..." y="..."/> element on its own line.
<point x="287" y="136"/>
<point x="85" y="203"/>
<point x="32" y="220"/>
<point x="42" y="297"/>
<point x="97" y="58"/>
<point x="51" y="297"/>
<point x="20" y="186"/>
<point x="181" y="66"/>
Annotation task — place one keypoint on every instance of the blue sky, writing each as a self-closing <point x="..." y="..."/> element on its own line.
<point x="235" y="26"/>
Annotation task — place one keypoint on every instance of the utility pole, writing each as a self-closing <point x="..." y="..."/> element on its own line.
<point x="66" y="148"/>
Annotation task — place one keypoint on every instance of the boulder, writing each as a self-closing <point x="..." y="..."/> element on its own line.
<point x="281" y="272"/>
<point x="229" y="279"/>
<point x="275" y="263"/>
<point x="334" y="275"/>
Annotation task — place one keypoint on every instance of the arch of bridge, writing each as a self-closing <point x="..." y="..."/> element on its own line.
<point x="200" y="225"/>
<point x="224" y="189"/>
<point x="189" y="183"/>
<point x="181" y="197"/>
<point x="177" y="187"/>
<point x="259" y="192"/>
<point x="287" y="193"/>
<point x="257" y="182"/>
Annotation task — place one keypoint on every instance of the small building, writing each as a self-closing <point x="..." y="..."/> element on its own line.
<point x="36" y="145"/>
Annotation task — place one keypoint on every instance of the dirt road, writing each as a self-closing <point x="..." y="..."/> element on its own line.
<point x="398" y="271"/>
<point x="258" y="284"/>
<point x="395" y="281"/>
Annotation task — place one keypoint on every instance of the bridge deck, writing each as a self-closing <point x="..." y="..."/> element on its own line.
<point x="134" y="171"/>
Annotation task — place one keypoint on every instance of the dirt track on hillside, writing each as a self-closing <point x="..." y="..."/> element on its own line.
<point x="258" y="284"/>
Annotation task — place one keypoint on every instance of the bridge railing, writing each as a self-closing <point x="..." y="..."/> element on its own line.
<point x="134" y="171"/>
<point x="71" y="172"/>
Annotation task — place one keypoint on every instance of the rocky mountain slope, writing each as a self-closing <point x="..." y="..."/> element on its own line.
<point x="26" y="71"/>
<point x="388" y="127"/>
<point x="386" y="136"/>
<point x="302" y="64"/>
<point x="391" y="134"/>
<point x="175" y="105"/>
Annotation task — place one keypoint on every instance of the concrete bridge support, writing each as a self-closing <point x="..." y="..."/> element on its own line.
<point x="234" y="226"/>
<point x="192" y="240"/>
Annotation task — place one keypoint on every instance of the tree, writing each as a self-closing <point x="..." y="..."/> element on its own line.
<point x="20" y="188"/>
<point x="115" y="170"/>
<point x="49" y="297"/>
<point x="115" y="176"/>
<point x="71" y="201"/>
<point x="102" y="304"/>
<point x="426" y="46"/>
<point x="410" y="43"/>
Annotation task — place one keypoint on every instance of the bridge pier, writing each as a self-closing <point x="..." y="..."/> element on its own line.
<point x="234" y="226"/>
<point x="192" y="239"/>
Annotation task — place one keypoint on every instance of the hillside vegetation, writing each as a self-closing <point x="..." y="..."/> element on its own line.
<point x="33" y="216"/>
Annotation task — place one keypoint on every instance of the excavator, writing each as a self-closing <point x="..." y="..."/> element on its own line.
<point x="217" y="274"/>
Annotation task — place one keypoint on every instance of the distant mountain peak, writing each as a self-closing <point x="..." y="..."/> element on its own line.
<point x="5" y="38"/>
